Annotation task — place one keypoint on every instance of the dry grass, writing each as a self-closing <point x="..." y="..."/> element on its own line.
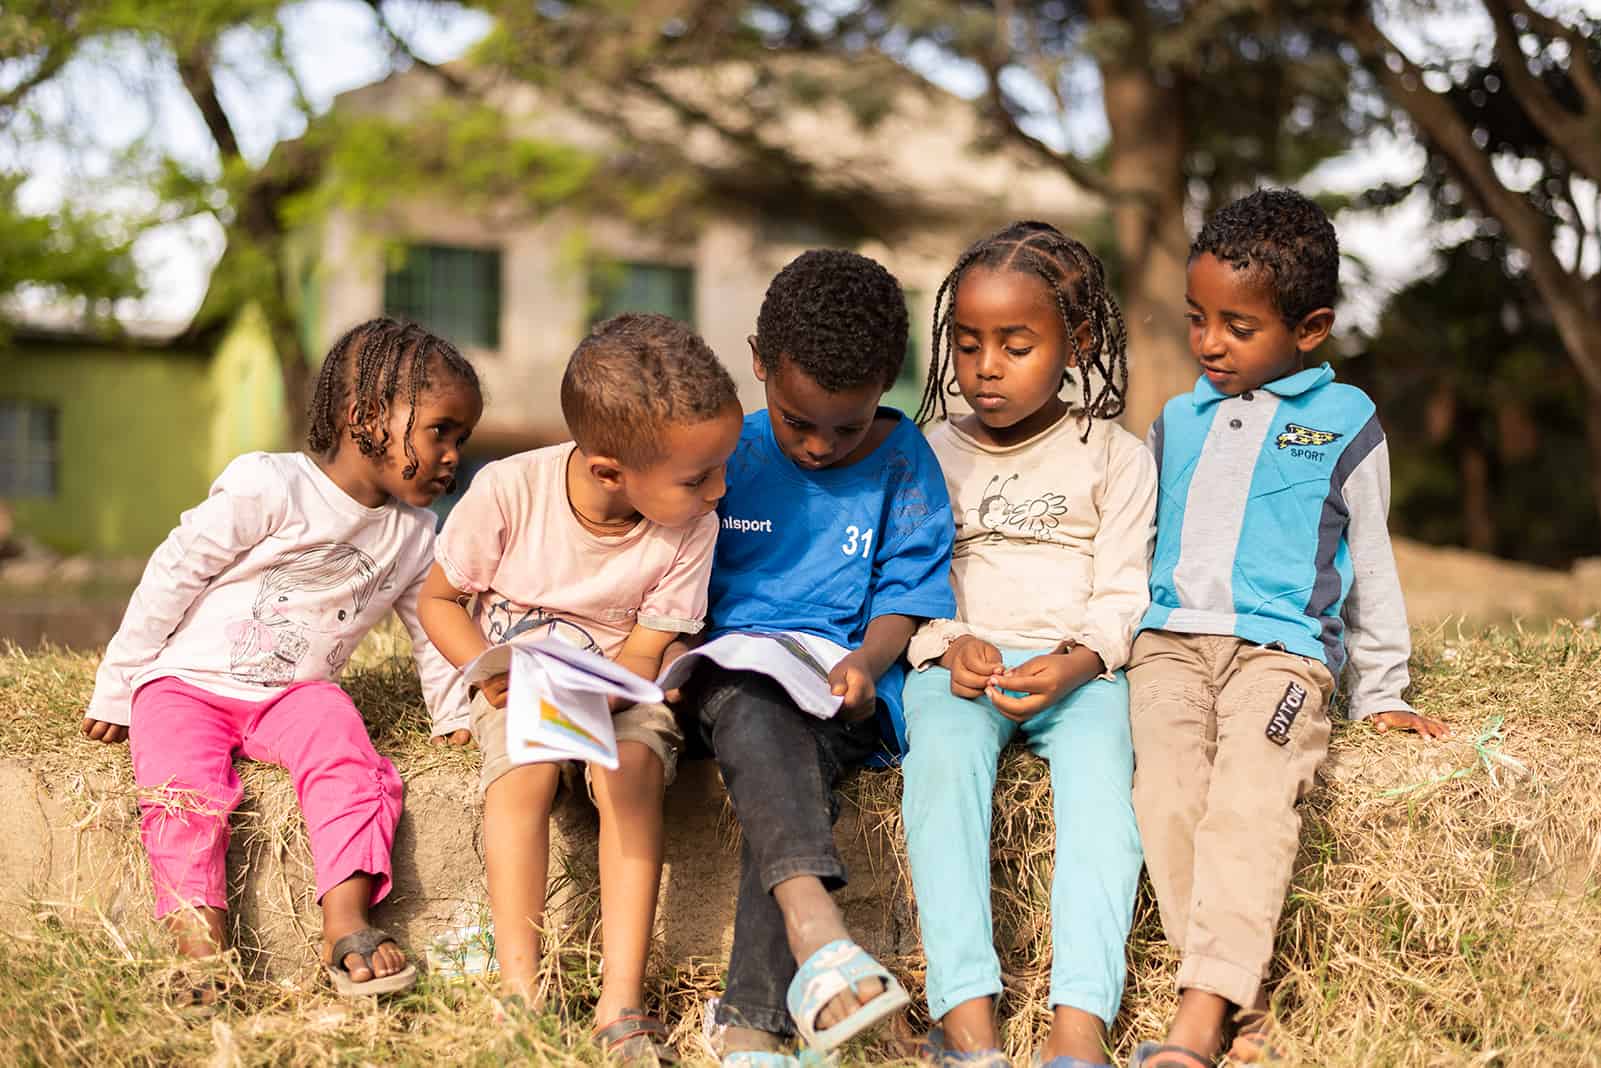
<point x="1437" y="917"/>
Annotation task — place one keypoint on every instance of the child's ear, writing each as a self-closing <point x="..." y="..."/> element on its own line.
<point x="606" y="470"/>
<point x="1314" y="329"/>
<point x="756" y="360"/>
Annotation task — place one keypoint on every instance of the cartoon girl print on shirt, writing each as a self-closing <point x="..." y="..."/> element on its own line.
<point x="1037" y="516"/>
<point x="307" y="593"/>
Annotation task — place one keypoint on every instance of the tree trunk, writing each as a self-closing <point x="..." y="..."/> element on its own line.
<point x="1592" y="428"/>
<point x="1146" y="168"/>
<point x="294" y="370"/>
<point x="1478" y="519"/>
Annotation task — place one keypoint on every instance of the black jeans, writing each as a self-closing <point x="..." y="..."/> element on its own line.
<point x="780" y="767"/>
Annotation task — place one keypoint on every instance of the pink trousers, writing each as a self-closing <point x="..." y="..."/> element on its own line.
<point x="183" y="740"/>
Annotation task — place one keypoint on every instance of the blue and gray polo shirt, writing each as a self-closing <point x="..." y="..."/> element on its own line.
<point x="1271" y="525"/>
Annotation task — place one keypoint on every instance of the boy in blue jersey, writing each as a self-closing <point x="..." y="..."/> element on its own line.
<point x="1273" y="573"/>
<point x="836" y="523"/>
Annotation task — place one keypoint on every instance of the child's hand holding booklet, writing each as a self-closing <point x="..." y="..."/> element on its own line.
<point x="557" y="704"/>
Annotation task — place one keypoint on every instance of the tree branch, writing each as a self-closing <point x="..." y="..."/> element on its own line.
<point x="194" y="67"/>
<point x="400" y="45"/>
<point x="1438" y="121"/>
<point x="995" y="60"/>
<point x="1584" y="75"/>
<point x="54" y="59"/>
<point x="1575" y="135"/>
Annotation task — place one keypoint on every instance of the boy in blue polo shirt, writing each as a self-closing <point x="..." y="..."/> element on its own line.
<point x="1273" y="573"/>
<point x="836" y="524"/>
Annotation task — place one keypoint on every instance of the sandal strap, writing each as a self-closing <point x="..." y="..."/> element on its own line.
<point x="362" y="943"/>
<point x="1167" y="1055"/>
<point x="839" y="966"/>
<point x="631" y="1023"/>
<point x="934" y="1050"/>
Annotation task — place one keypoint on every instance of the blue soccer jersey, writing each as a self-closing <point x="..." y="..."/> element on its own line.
<point x="824" y="552"/>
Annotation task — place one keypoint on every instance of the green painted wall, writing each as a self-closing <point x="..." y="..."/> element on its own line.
<point x="142" y="432"/>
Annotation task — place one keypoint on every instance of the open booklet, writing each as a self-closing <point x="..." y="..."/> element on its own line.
<point x="800" y="663"/>
<point x="556" y="702"/>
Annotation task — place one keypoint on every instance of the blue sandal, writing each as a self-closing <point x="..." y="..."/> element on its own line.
<point x="759" y="1058"/>
<point x="830" y="972"/>
<point x="936" y="1052"/>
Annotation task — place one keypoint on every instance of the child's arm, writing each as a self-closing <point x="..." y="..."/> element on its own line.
<point x="911" y="579"/>
<point x="442" y="612"/>
<point x="467" y="554"/>
<point x="245" y="504"/>
<point x="1119" y="594"/>
<point x="441" y="690"/>
<point x="643" y="651"/>
<point x="673" y="612"/>
<point x="1377" y="637"/>
<point x="853" y="677"/>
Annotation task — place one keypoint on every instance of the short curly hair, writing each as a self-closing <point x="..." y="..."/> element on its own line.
<point x="1284" y="238"/>
<point x="838" y="316"/>
<point x="633" y="377"/>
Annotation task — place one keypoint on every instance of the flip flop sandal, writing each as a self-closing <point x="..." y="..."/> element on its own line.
<point x="936" y="1052"/>
<point x="364" y="943"/>
<point x="1254" y="1045"/>
<point x="1064" y="1061"/>
<point x="200" y="1000"/>
<point x="765" y="1058"/>
<point x="636" y="1038"/>
<point x="1160" y="1055"/>
<point x="837" y="967"/>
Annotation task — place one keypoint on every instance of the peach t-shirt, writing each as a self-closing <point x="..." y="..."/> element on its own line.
<point x="514" y="541"/>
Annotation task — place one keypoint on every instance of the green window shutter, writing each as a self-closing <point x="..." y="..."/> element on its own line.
<point x="615" y="288"/>
<point x="453" y="291"/>
<point x="29" y="450"/>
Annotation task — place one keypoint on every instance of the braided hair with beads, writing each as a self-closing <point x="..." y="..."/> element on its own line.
<point x="366" y="368"/>
<point x="1077" y="282"/>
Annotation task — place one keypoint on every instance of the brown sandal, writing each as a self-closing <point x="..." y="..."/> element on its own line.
<point x="636" y="1038"/>
<point x="1254" y="1044"/>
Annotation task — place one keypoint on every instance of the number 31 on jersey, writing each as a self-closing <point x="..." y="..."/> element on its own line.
<point x="858" y="542"/>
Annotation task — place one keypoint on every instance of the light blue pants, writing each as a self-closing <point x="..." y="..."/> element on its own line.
<point x="950" y="768"/>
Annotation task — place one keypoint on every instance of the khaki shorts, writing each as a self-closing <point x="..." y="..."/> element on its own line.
<point x="653" y="725"/>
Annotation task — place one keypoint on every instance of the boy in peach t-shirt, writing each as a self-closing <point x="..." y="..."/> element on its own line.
<point x="605" y="542"/>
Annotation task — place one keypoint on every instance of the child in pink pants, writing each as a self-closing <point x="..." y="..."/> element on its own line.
<point x="246" y="615"/>
<point x="349" y="795"/>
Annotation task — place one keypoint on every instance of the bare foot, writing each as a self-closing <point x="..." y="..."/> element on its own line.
<point x="1198" y="1025"/>
<point x="812" y="921"/>
<point x="1076" y="1033"/>
<point x="742" y="1039"/>
<point x="344" y="911"/>
<point x="199" y="931"/>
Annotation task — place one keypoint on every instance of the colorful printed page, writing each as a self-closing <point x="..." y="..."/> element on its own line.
<point x="800" y="663"/>
<point x="557" y="705"/>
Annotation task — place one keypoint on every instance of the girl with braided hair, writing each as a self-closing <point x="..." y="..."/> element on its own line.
<point x="1054" y="509"/>
<point x="234" y="640"/>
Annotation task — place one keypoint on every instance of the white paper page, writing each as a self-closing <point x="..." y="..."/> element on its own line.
<point x="557" y="703"/>
<point x="547" y="722"/>
<point x="800" y="663"/>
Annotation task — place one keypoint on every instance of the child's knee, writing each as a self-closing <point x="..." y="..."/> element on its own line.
<point x="636" y="783"/>
<point x="524" y="787"/>
<point x="193" y="804"/>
